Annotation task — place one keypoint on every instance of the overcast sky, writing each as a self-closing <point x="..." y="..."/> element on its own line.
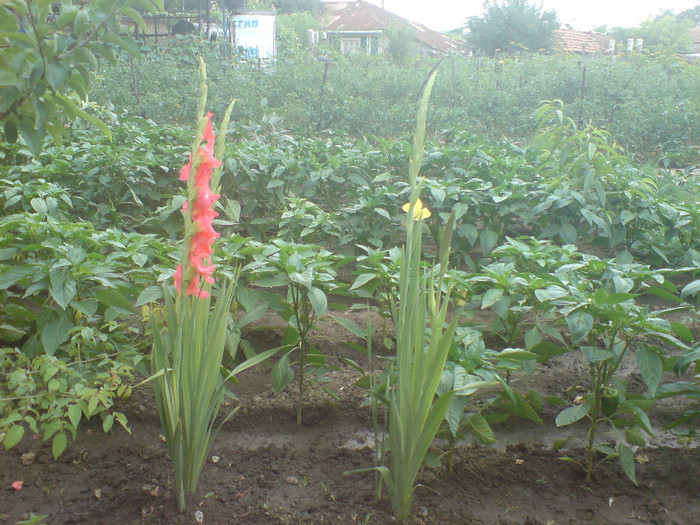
<point x="443" y="15"/>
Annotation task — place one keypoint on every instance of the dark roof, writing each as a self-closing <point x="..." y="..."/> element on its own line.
<point x="363" y="16"/>
<point x="577" y="41"/>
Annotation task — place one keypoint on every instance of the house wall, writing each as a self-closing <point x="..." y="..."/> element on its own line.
<point x="372" y="43"/>
<point x="366" y="43"/>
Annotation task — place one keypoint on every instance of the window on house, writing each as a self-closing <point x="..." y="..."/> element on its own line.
<point x="350" y="45"/>
<point x="373" y="45"/>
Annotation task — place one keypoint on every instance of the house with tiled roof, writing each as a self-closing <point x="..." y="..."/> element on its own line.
<point x="693" y="55"/>
<point x="694" y="33"/>
<point x="362" y="27"/>
<point x="581" y="42"/>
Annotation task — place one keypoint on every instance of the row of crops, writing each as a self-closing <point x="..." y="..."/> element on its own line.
<point x="650" y="104"/>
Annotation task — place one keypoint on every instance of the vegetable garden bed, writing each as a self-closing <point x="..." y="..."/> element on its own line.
<point x="264" y="469"/>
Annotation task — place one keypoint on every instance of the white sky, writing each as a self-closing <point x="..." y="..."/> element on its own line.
<point x="443" y="15"/>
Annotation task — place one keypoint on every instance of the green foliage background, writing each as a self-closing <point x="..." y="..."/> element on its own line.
<point x="648" y="103"/>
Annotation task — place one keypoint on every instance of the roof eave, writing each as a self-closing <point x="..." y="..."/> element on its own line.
<point x="356" y="31"/>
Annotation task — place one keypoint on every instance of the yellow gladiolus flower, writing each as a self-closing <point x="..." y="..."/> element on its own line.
<point x="419" y="212"/>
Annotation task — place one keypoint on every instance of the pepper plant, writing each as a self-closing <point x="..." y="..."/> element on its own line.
<point x="308" y="274"/>
<point x="302" y="219"/>
<point x="52" y="396"/>
<point x="369" y="217"/>
<point x="605" y="324"/>
<point x="378" y="279"/>
<point x="470" y="375"/>
<point x="687" y="425"/>
<point x="67" y="325"/>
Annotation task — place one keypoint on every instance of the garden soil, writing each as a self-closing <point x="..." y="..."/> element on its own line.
<point x="264" y="469"/>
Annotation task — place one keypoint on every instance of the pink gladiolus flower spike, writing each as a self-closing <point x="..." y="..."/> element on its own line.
<point x="201" y="245"/>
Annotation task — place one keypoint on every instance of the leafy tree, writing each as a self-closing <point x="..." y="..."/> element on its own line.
<point x="293" y="31"/>
<point x="455" y="34"/>
<point x="512" y="25"/>
<point x="621" y="34"/>
<point x="665" y="33"/>
<point x="192" y="6"/>
<point x="400" y="41"/>
<point x="297" y="6"/>
<point x="286" y="7"/>
<point x="690" y="14"/>
<point x="47" y="55"/>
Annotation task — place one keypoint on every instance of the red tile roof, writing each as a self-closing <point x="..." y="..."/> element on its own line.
<point x="363" y="16"/>
<point x="577" y="41"/>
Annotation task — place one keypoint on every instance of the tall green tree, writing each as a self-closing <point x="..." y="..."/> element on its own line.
<point x="297" y="6"/>
<point x="512" y="25"/>
<point x="203" y="6"/>
<point x="286" y="7"/>
<point x="690" y="14"/>
<point x="293" y="31"/>
<point x="400" y="42"/>
<point x="665" y="33"/>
